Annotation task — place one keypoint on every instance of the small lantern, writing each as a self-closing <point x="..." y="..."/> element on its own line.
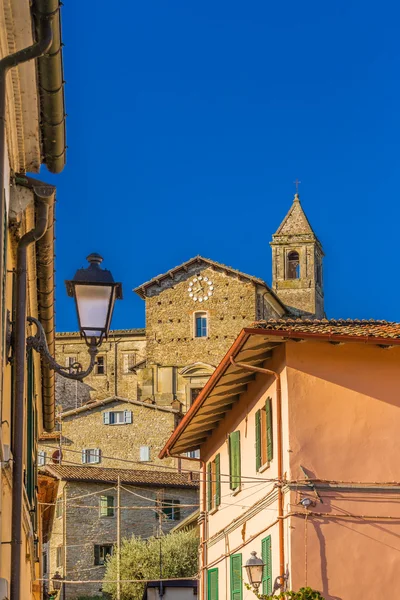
<point x="95" y="293"/>
<point x="57" y="580"/>
<point x="255" y="568"/>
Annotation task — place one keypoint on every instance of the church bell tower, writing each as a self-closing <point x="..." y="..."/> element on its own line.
<point x="297" y="264"/>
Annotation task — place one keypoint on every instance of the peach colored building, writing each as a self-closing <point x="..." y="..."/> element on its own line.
<point x="300" y="460"/>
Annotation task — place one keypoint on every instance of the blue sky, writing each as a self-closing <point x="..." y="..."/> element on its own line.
<point x="188" y="122"/>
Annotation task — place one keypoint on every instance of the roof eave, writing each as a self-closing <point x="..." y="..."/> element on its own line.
<point x="51" y="89"/>
<point x="283" y="335"/>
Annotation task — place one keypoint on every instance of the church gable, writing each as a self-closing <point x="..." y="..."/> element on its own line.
<point x="186" y="271"/>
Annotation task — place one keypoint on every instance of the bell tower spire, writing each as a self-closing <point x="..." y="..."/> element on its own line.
<point x="297" y="263"/>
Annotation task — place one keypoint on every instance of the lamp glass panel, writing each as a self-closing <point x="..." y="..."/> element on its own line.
<point x="93" y="302"/>
<point x="255" y="573"/>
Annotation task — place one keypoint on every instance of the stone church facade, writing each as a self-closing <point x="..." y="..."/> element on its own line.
<point x="193" y="314"/>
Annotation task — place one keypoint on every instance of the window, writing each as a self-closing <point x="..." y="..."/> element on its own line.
<point x="91" y="455"/>
<point x="200" y="324"/>
<point x="193" y="454"/>
<point x="41" y="458"/>
<point x="117" y="417"/>
<point x="234" y="460"/>
<point x="171" y="509"/>
<point x="267" y="571"/>
<point x="59" y="556"/>
<point x="264" y="446"/>
<point x="106" y="506"/>
<point x="212" y="584"/>
<point x="293" y="266"/>
<point x="69" y="361"/>
<point x="144" y="453"/>
<point x="214" y="483"/>
<point x="101" y="552"/>
<point x="129" y="362"/>
<point x="100" y="366"/>
<point x="59" y="508"/>
<point x="194" y="392"/>
<point x="236" y="577"/>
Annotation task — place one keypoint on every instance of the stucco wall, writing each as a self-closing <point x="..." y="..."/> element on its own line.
<point x="244" y="518"/>
<point x="343" y="422"/>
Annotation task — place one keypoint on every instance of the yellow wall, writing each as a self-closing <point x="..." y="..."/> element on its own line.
<point x="30" y="567"/>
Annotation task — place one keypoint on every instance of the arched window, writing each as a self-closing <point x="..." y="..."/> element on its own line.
<point x="293" y="266"/>
<point x="200" y="324"/>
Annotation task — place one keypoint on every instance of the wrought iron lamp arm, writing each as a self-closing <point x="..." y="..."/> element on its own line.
<point x="39" y="343"/>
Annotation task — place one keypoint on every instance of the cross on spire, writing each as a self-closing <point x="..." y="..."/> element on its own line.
<point x="297" y="185"/>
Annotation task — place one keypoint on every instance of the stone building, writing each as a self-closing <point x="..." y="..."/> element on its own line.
<point x="146" y="379"/>
<point x="115" y="432"/>
<point x="193" y="314"/>
<point x="84" y="524"/>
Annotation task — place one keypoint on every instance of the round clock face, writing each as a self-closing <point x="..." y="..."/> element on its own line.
<point x="200" y="289"/>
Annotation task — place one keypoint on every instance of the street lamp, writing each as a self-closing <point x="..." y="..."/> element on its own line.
<point x="95" y="292"/>
<point x="56" y="581"/>
<point x="255" y="568"/>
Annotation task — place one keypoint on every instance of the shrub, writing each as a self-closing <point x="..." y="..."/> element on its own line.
<point x="140" y="559"/>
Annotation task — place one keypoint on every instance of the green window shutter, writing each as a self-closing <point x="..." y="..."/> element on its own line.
<point x="176" y="510"/>
<point x="258" y="440"/>
<point x="31" y="436"/>
<point x="96" y="554"/>
<point x="106" y="418"/>
<point x="268" y="410"/>
<point x="218" y="480"/>
<point x="236" y="576"/>
<point x="234" y="456"/>
<point x="267" y="572"/>
<point x="212" y="584"/>
<point x="209" y="487"/>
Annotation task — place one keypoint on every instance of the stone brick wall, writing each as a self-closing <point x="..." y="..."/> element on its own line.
<point x="151" y="426"/>
<point x="85" y="527"/>
<point x="170" y="318"/>
<point x="115" y="381"/>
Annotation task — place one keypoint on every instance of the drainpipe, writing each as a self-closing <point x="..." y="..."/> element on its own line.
<point x="19" y="385"/>
<point x="280" y="460"/>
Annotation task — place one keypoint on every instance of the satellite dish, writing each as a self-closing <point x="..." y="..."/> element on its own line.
<point x="56" y="457"/>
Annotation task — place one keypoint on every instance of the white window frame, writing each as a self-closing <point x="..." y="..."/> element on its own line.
<point x="126" y="419"/>
<point x="41" y="458"/>
<point x="91" y="453"/>
<point x="193" y="454"/>
<point x="144" y="453"/>
<point x="104" y="365"/>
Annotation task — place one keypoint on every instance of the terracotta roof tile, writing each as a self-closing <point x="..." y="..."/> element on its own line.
<point x="346" y="327"/>
<point x="155" y="477"/>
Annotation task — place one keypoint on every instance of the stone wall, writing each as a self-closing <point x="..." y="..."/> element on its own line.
<point x="85" y="527"/>
<point x="118" y="378"/>
<point x="170" y="317"/>
<point x="119" y="444"/>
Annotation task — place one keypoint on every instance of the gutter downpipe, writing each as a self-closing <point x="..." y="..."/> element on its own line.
<point x="203" y="531"/>
<point x="19" y="399"/>
<point x="280" y="460"/>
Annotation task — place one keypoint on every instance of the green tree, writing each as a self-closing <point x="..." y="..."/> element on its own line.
<point x="140" y="559"/>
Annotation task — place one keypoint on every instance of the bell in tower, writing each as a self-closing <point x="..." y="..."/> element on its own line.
<point x="297" y="264"/>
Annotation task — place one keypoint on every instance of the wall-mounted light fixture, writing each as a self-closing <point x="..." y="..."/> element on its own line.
<point x="255" y="568"/>
<point x="95" y="292"/>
